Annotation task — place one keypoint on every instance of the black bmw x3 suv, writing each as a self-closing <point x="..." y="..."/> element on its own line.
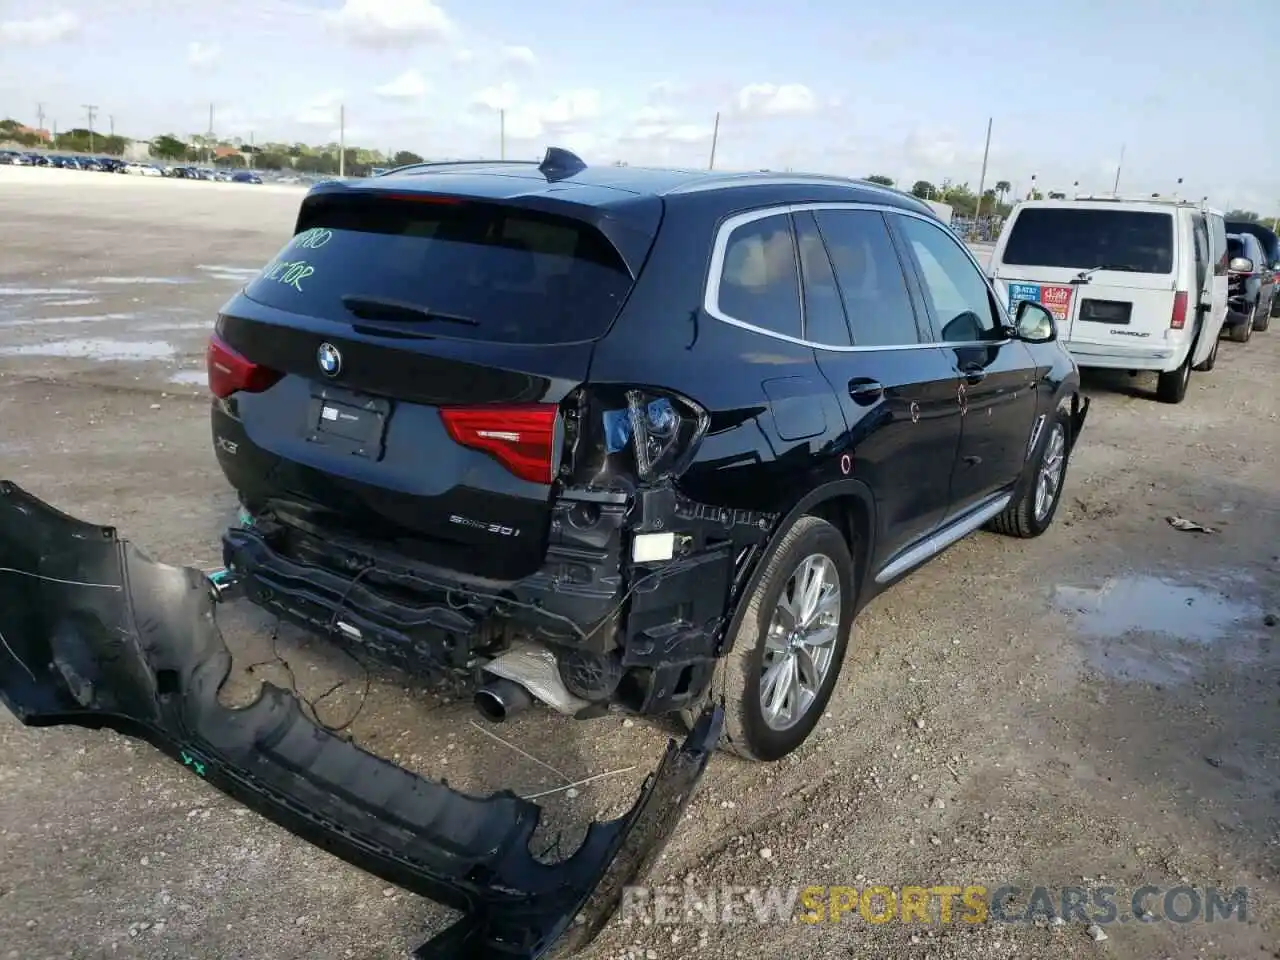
<point x="624" y="437"/>
<point x="608" y="438"/>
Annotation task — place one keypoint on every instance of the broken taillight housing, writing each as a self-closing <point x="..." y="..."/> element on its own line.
<point x="521" y="437"/>
<point x="659" y="431"/>
<point x="230" y="372"/>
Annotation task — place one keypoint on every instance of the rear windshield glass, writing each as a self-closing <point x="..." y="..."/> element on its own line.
<point x="1127" y="240"/>
<point x="457" y="269"/>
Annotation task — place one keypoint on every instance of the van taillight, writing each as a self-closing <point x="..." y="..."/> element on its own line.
<point x="229" y="372"/>
<point x="1179" y="319"/>
<point x="521" y="438"/>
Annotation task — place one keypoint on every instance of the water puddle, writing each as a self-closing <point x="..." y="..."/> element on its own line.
<point x="52" y="321"/>
<point x="88" y="301"/>
<point x="95" y="349"/>
<point x="130" y="281"/>
<point x="1160" y="630"/>
<point x="195" y="378"/>
<point x="40" y="292"/>
<point x="176" y="326"/>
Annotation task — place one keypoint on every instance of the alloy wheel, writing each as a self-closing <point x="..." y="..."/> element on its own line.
<point x="800" y="643"/>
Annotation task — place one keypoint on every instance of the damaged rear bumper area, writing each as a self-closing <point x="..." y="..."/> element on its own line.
<point x="96" y="635"/>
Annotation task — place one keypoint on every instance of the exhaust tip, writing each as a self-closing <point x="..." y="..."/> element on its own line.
<point x="500" y="699"/>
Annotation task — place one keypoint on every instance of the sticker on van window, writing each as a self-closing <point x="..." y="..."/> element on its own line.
<point x="1054" y="298"/>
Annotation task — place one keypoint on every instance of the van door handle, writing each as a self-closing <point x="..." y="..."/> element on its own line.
<point x="973" y="373"/>
<point x="864" y="391"/>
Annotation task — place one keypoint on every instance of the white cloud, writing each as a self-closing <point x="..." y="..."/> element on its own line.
<point x="40" y="30"/>
<point x="768" y="100"/>
<point x="500" y="97"/>
<point x="391" y="23"/>
<point x="201" y="54"/>
<point x="321" y="111"/>
<point x="463" y="56"/>
<point x="575" y="106"/>
<point x="652" y="123"/>
<point x="519" y="56"/>
<point x="408" y="86"/>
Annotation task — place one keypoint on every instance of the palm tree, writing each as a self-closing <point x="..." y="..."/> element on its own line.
<point x="1003" y="187"/>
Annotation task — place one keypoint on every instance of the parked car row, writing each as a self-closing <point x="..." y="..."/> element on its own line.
<point x="1141" y="284"/>
<point x="134" y="168"/>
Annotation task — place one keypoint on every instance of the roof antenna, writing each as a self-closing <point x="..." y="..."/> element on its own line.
<point x="559" y="163"/>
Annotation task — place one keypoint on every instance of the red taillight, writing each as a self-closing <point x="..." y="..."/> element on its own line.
<point x="1179" y="319"/>
<point x="230" y="373"/>
<point x="522" y="438"/>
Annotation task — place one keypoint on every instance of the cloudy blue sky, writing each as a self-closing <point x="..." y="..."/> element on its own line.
<point x="903" y="89"/>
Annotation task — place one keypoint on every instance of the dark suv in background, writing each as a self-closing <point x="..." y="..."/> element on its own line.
<point x="1251" y="286"/>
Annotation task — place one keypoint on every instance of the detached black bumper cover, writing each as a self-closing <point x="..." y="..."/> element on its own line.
<point x="95" y="634"/>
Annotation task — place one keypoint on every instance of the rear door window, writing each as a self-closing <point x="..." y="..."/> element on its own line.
<point x="759" y="283"/>
<point x="824" y="319"/>
<point x="1201" y="237"/>
<point x="458" y="269"/>
<point x="1218" y="238"/>
<point x="1132" y="241"/>
<point x="869" y="274"/>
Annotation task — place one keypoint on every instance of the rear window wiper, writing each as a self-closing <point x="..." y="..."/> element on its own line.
<point x="379" y="308"/>
<point x="1084" y="275"/>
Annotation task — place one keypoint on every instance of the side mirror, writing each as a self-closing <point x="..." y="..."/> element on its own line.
<point x="1276" y="265"/>
<point x="1033" y="323"/>
<point x="1240" y="265"/>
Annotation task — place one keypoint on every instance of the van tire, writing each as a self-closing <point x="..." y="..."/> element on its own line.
<point x="1275" y="304"/>
<point x="1171" y="387"/>
<point x="737" y="675"/>
<point x="1211" y="360"/>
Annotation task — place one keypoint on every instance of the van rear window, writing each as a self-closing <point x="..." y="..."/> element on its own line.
<point x="1081" y="239"/>
<point x="446" y="267"/>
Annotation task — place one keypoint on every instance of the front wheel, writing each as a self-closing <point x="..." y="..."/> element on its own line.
<point x="789" y="648"/>
<point x="1036" y="501"/>
<point x="1262" y="318"/>
<point x="1241" y="332"/>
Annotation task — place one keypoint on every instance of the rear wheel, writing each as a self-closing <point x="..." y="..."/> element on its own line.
<point x="1211" y="360"/>
<point x="1171" y="387"/>
<point x="786" y="656"/>
<point x="1033" y="509"/>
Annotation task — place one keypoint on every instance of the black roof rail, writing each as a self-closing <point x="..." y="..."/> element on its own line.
<point x="448" y="163"/>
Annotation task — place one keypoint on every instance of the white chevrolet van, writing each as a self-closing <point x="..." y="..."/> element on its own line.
<point x="1136" y="284"/>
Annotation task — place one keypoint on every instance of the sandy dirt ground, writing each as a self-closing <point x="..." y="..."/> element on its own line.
<point x="1098" y="707"/>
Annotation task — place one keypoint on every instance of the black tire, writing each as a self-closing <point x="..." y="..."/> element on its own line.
<point x="1171" y="387"/>
<point x="1275" y="305"/>
<point x="738" y="674"/>
<point x="1021" y="518"/>
<point x="1262" y="318"/>
<point x="1241" y="332"/>
<point x="1211" y="360"/>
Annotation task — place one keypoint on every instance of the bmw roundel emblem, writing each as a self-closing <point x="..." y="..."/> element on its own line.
<point x="330" y="359"/>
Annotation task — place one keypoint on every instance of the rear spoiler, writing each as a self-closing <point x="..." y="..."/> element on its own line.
<point x="98" y="635"/>
<point x="628" y="221"/>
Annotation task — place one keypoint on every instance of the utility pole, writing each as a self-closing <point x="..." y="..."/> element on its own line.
<point x="91" y="109"/>
<point x="40" y="121"/>
<point x="111" y="120"/>
<point x="208" y="139"/>
<point x="715" y="137"/>
<point x="342" y="140"/>
<point x="502" y="134"/>
<point x="1115" y="188"/>
<point x="251" y="149"/>
<point x="982" y="179"/>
